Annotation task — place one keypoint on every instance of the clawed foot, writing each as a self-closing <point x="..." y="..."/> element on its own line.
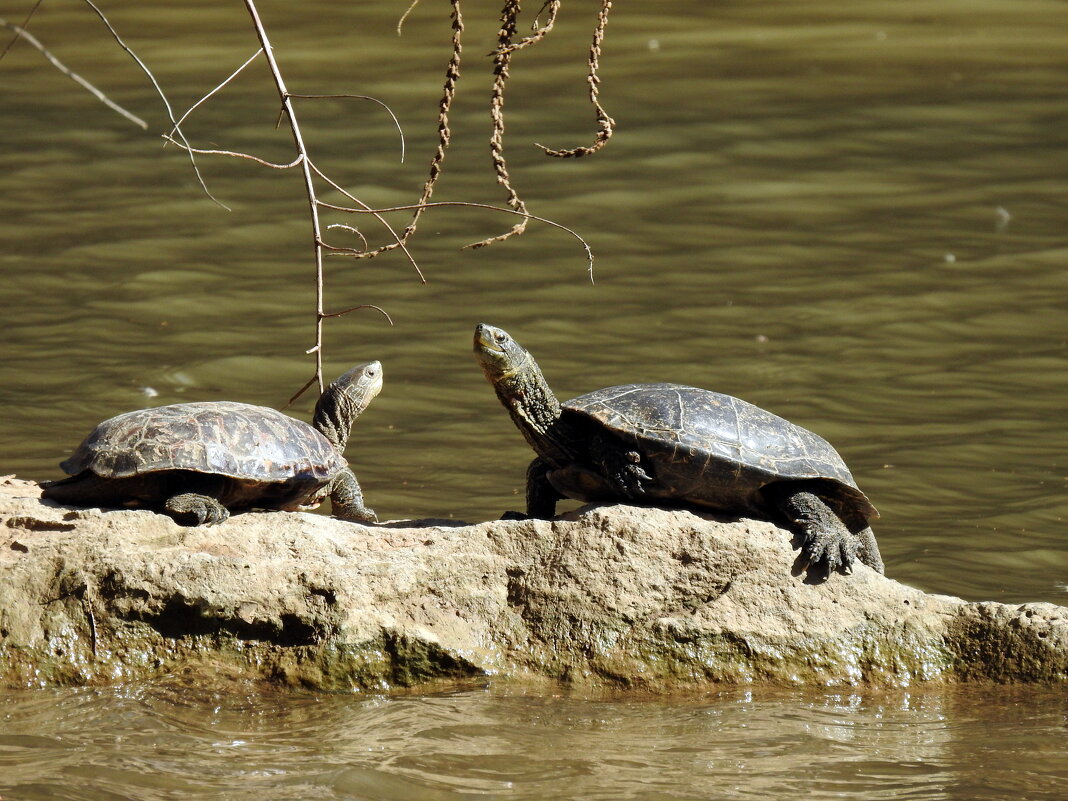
<point x="191" y="509"/>
<point x="824" y="552"/>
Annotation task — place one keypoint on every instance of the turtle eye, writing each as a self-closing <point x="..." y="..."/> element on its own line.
<point x="500" y="337"/>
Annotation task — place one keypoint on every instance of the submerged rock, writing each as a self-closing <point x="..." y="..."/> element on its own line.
<point x="609" y="596"/>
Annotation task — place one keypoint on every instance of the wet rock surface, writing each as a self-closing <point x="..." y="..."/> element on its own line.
<point x="609" y="596"/>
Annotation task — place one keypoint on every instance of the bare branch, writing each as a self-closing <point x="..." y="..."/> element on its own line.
<point x="309" y="184"/>
<point x="78" y="79"/>
<point x="306" y="386"/>
<point x="452" y="77"/>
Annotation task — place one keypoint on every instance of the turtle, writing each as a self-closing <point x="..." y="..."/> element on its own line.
<point x="197" y="462"/>
<point x="673" y="444"/>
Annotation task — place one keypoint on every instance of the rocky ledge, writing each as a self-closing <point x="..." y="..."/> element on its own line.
<point x="610" y="596"/>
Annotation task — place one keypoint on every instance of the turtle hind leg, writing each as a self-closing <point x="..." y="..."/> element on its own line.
<point x="827" y="545"/>
<point x="194" y="509"/>
<point x="346" y="498"/>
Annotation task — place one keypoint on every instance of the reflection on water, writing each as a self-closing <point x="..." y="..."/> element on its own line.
<point x="172" y="741"/>
<point x="852" y="215"/>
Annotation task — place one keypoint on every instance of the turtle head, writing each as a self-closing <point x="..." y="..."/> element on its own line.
<point x="499" y="354"/>
<point x="344" y="400"/>
<point x="519" y="384"/>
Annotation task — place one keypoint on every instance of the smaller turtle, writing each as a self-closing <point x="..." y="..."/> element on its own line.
<point x="670" y="443"/>
<point x="197" y="462"/>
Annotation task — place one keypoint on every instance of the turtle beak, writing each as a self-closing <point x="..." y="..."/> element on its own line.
<point x="486" y="337"/>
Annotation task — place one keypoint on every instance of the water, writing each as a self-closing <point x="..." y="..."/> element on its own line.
<point x="852" y="215"/>
<point x="172" y="741"/>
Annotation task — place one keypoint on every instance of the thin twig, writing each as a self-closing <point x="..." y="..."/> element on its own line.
<point x="604" y="122"/>
<point x="389" y="111"/>
<point x="78" y="79"/>
<point x="365" y="208"/>
<point x="527" y="215"/>
<point x="159" y="91"/>
<point x="404" y="16"/>
<point x="351" y="229"/>
<point x="293" y="398"/>
<point x="203" y="152"/>
<point x="357" y="308"/>
<point x="202" y="100"/>
<point x="24" y="26"/>
<point x="452" y="77"/>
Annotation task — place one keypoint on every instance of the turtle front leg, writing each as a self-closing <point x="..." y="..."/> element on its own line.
<point x="194" y="509"/>
<point x="826" y="544"/>
<point x="541" y="495"/>
<point x="347" y="499"/>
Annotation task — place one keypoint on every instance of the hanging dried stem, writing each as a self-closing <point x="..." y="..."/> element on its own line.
<point x="32" y="40"/>
<point x="604" y="122"/>
<point x="501" y="59"/>
<point x="541" y="31"/>
<point x="452" y="77"/>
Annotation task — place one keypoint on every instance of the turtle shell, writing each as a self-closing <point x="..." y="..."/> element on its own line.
<point x="714" y="450"/>
<point x="245" y="442"/>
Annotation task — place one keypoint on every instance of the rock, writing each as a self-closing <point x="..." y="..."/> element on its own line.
<point x="609" y="596"/>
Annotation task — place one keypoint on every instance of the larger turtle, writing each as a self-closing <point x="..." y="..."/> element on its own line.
<point x="678" y="444"/>
<point x="197" y="462"/>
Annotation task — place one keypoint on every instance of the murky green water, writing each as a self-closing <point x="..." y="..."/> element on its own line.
<point x="851" y="214"/>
